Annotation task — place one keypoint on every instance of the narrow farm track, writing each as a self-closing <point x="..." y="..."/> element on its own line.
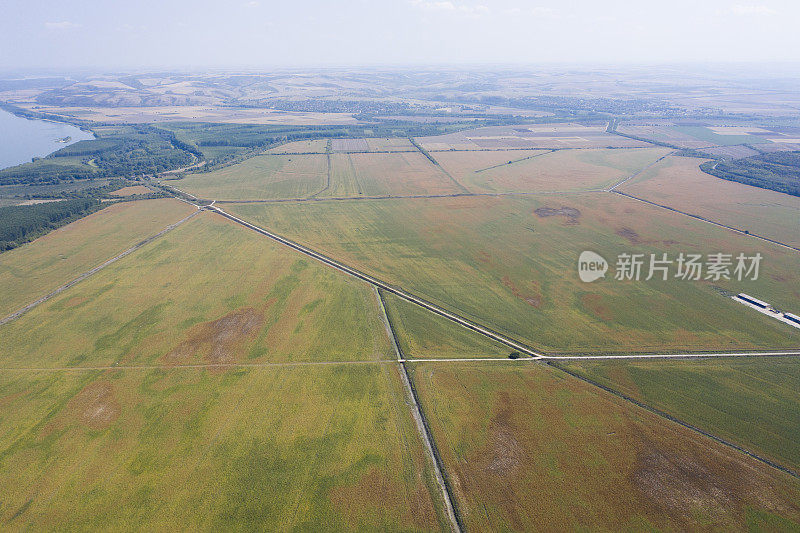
<point x="59" y="290"/>
<point x="421" y="422"/>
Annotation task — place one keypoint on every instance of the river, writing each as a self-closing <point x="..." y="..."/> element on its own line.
<point x="21" y="138"/>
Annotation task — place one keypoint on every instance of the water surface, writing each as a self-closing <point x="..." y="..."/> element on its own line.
<point x="22" y="138"/>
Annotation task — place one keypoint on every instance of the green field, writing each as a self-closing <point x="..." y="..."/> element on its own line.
<point x="562" y="170"/>
<point x="752" y="402"/>
<point x="530" y="448"/>
<point x="507" y="263"/>
<point x="34" y="269"/>
<point x="421" y="334"/>
<point x="196" y="449"/>
<point x="258" y="178"/>
<point x="203" y="382"/>
<point x="209" y="292"/>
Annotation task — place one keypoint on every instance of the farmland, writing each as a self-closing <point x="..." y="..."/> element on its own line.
<point x="421" y="334"/>
<point x="34" y="269"/>
<point x="528" y="137"/>
<point x="280" y="308"/>
<point x="679" y="183"/>
<point x="260" y="177"/>
<point x="750" y="402"/>
<point x="563" y="170"/>
<point x="510" y="263"/>
<point x="364" y="308"/>
<point x="529" y="447"/>
<point x="199" y="354"/>
<point x="195" y="448"/>
<point x="387" y="174"/>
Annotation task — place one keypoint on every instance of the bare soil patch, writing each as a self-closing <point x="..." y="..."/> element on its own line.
<point x="217" y="340"/>
<point x="96" y="406"/>
<point x="569" y="213"/>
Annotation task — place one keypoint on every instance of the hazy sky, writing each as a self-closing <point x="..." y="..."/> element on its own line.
<point x="264" y="33"/>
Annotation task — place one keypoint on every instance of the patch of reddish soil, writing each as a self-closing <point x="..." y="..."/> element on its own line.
<point x="593" y="303"/>
<point x="534" y="300"/>
<point x="217" y="340"/>
<point x="570" y="214"/>
<point x="630" y="235"/>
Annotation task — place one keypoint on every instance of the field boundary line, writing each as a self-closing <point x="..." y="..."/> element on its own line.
<point x="707" y="220"/>
<point x="436" y="163"/>
<point x="640" y="171"/>
<point x="667" y="416"/>
<point x="421" y="422"/>
<point x="328" y="173"/>
<point x="698" y="355"/>
<point x="388" y="324"/>
<point x="548" y="151"/>
<point x="62" y="288"/>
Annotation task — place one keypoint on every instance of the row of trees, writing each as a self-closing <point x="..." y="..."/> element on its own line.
<point x="23" y="223"/>
<point x="779" y="171"/>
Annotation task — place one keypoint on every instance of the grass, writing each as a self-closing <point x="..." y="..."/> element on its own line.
<point x="210" y="292"/>
<point x="195" y="449"/>
<point x="563" y="170"/>
<point x="528" y="448"/>
<point x="387" y="174"/>
<point x="752" y="402"/>
<point x="260" y="177"/>
<point x="422" y="334"/>
<point x="496" y="261"/>
<point x="34" y="269"/>
<point x="679" y="183"/>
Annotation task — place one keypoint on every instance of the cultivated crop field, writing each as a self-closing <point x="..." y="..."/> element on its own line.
<point x="205" y="449"/>
<point x="206" y="293"/>
<point x="387" y="174"/>
<point x="528" y="447"/>
<point x="421" y="334"/>
<point x="219" y="377"/>
<point x="537" y="171"/>
<point x="260" y="177"/>
<point x="37" y="268"/>
<point x="528" y="137"/>
<point x="752" y="402"/>
<point x="679" y="183"/>
<point x="511" y="263"/>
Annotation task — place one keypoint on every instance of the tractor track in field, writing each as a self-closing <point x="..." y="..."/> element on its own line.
<point x="62" y="288"/>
